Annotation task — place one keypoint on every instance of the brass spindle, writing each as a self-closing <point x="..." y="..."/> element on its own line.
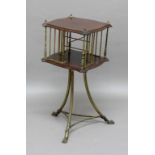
<point x="50" y="34"/>
<point x="90" y="43"/>
<point x="87" y="44"/>
<point x="96" y="43"/>
<point x="101" y="42"/>
<point x="70" y="35"/>
<point x="88" y="47"/>
<point x="106" y="41"/>
<point x="54" y="39"/>
<point x="66" y="41"/>
<point x="83" y="59"/>
<point x="45" y="50"/>
<point x="59" y="41"/>
<point x="62" y="44"/>
<point x="92" y="47"/>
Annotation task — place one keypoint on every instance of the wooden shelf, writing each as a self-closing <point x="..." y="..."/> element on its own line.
<point x="77" y="25"/>
<point x="72" y="60"/>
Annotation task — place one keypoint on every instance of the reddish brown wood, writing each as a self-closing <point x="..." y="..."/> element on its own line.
<point x="77" y="25"/>
<point x="73" y="61"/>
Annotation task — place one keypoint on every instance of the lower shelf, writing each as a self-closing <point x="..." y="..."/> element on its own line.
<point x="72" y="60"/>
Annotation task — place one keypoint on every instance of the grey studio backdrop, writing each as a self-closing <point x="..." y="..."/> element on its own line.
<point x="46" y="84"/>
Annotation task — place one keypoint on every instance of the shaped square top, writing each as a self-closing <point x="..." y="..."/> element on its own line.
<point x="77" y="25"/>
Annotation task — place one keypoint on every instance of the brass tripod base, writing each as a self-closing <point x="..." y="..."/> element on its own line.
<point x="70" y="89"/>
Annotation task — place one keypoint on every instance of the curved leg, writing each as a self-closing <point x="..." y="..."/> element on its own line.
<point x="93" y="103"/>
<point x="66" y="96"/>
<point x="70" y="109"/>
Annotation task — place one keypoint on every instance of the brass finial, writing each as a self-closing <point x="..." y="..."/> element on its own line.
<point x="85" y="30"/>
<point x="108" y="22"/>
<point x="71" y="16"/>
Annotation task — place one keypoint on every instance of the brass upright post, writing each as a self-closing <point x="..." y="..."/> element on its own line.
<point x="96" y="43"/>
<point x="92" y="47"/>
<point x="106" y="41"/>
<point x="54" y="39"/>
<point x="59" y="41"/>
<point x="83" y="59"/>
<point x="66" y="38"/>
<point x="101" y="42"/>
<point x="86" y="44"/>
<point x="45" y="50"/>
<point x="63" y="45"/>
<point x="70" y="35"/>
<point x="50" y="34"/>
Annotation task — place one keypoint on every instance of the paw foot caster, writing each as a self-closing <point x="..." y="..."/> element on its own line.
<point x="107" y="120"/>
<point x="55" y="114"/>
<point x="65" y="140"/>
<point x="110" y="122"/>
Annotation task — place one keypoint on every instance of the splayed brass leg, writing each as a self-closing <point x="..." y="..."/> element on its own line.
<point x="66" y="96"/>
<point x="93" y="103"/>
<point x="65" y="140"/>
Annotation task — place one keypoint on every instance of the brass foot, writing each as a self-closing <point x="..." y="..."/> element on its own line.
<point x="107" y="120"/>
<point x="55" y="113"/>
<point x="110" y="122"/>
<point x="65" y="140"/>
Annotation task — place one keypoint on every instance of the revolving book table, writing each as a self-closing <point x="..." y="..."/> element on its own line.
<point x="76" y="44"/>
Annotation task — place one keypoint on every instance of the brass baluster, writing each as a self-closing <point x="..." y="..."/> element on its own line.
<point x="83" y="59"/>
<point x="86" y="53"/>
<point x="50" y="34"/>
<point x="90" y="43"/>
<point x="92" y="47"/>
<point x="70" y="35"/>
<point x="96" y="43"/>
<point x="106" y="41"/>
<point x="88" y="47"/>
<point x="62" y="45"/>
<point x="66" y="44"/>
<point x="54" y="39"/>
<point x="59" y="41"/>
<point x="101" y="43"/>
<point x="45" y="50"/>
<point x="88" y="50"/>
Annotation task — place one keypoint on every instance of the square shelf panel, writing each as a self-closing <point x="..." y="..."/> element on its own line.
<point x="77" y="25"/>
<point x="72" y="60"/>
